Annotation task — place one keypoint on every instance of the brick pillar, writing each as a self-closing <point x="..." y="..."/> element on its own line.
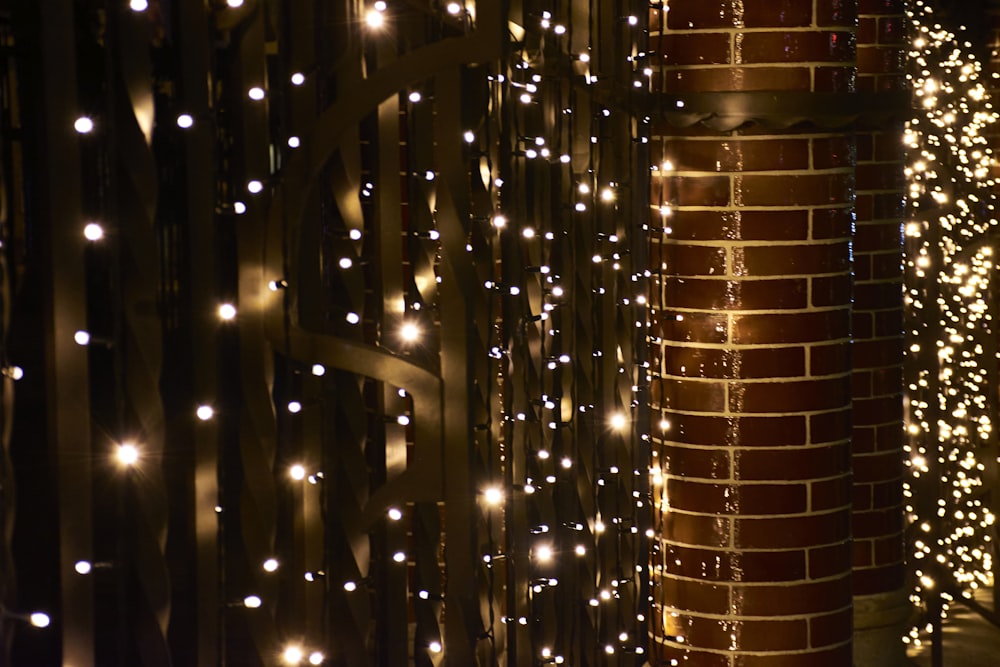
<point x="881" y="607"/>
<point x="751" y="301"/>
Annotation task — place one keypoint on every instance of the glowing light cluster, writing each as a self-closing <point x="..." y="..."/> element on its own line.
<point x="952" y="212"/>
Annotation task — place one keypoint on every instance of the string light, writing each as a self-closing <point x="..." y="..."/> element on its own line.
<point x="227" y="312"/>
<point x="950" y="262"/>
<point x="127" y="454"/>
<point x="39" y="619"/>
<point x="374" y="19"/>
<point x="83" y="125"/>
<point x="93" y="232"/>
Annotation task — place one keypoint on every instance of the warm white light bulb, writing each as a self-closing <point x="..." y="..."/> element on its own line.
<point x="298" y="79"/>
<point x="543" y="553"/>
<point x="252" y="602"/>
<point x="297" y="472"/>
<point x="205" y="412"/>
<point x="227" y="312"/>
<point x="316" y="658"/>
<point x="39" y="619"/>
<point x="409" y="332"/>
<point x="618" y="421"/>
<point x="83" y="125"/>
<point x="93" y="232"/>
<point x="138" y="5"/>
<point x="415" y="96"/>
<point x="256" y="93"/>
<point x="270" y="565"/>
<point x="292" y="655"/>
<point x="374" y="19"/>
<point x="81" y="337"/>
<point x="435" y="647"/>
<point x="493" y="495"/>
<point x="234" y="3"/>
<point x="127" y="454"/>
<point x="395" y="514"/>
<point x="454" y="8"/>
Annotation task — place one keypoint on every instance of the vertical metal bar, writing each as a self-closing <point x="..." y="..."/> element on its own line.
<point x="68" y="400"/>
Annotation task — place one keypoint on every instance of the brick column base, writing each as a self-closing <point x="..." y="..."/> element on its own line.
<point x="879" y="623"/>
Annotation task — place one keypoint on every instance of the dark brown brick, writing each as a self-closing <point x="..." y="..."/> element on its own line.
<point x="870" y="581"/>
<point x="742" y="431"/>
<point x="877" y="523"/>
<point x="699" y="530"/>
<point x="693" y="395"/>
<point x="835" y="628"/>
<point x="739" y="225"/>
<point x="797" y="47"/>
<point x="878" y="467"/>
<point x="684" y="259"/>
<point x="692" y="328"/>
<point x="793" y="328"/>
<point x="832" y="223"/>
<point x="709" y="79"/>
<point x="836" y="12"/>
<point x="693" y="48"/>
<point x="809" y="597"/>
<point x="735" y="294"/>
<point x="734" y="363"/>
<point x="831" y="291"/>
<point x="828" y="427"/>
<point x="696" y="190"/>
<point x="878" y="295"/>
<point x="834" y="152"/>
<point x="789" y="396"/>
<point x="835" y="79"/>
<point x="728" y="155"/>
<point x="838" y="656"/>
<point x="792" y="464"/>
<point x="696" y="596"/>
<point x="792" y="259"/>
<point x="805" y="190"/>
<point x="797" y="532"/>
<point x="704" y="14"/>
<point x="692" y="462"/>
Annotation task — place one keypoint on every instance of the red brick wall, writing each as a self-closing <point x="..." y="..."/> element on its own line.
<point x="751" y="318"/>
<point x="877" y="440"/>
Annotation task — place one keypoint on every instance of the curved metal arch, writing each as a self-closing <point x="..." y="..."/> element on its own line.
<point x="421" y="481"/>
